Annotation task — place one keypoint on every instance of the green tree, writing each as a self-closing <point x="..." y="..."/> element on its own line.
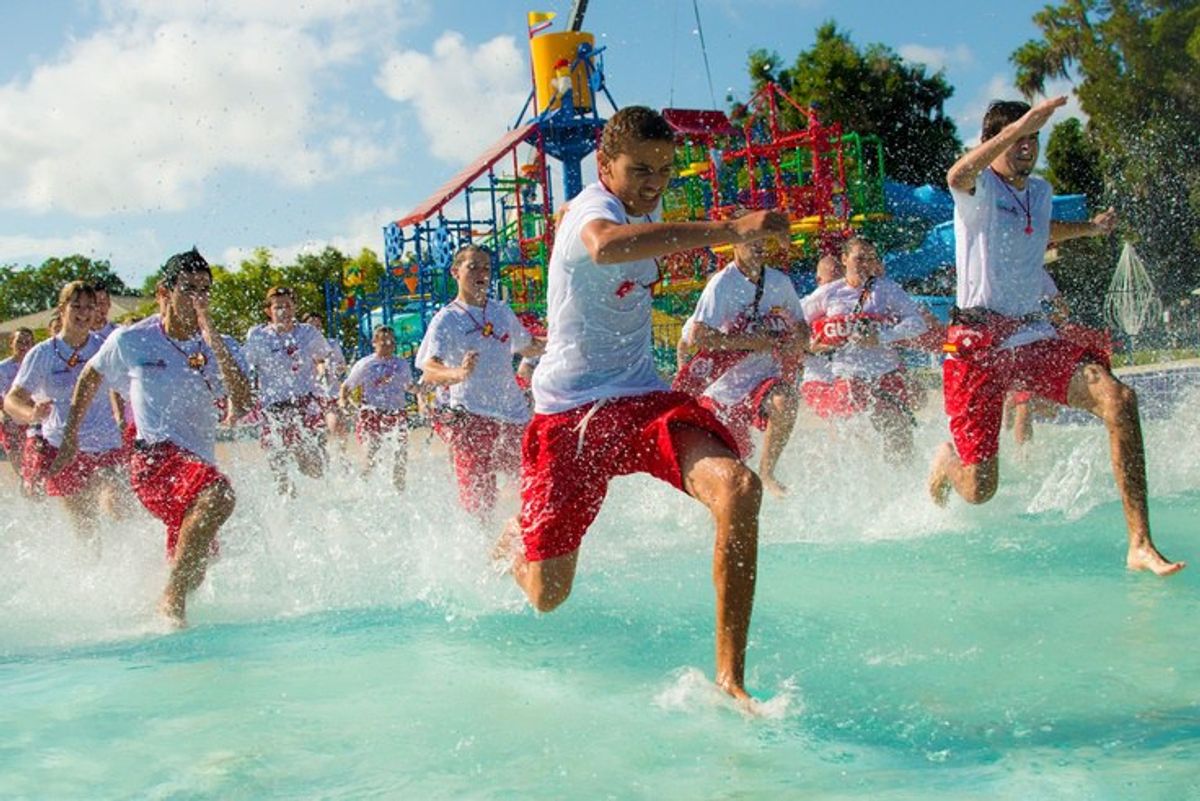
<point x="1136" y="64"/>
<point x="1084" y="266"/>
<point x="1073" y="162"/>
<point x="871" y="91"/>
<point x="25" y="290"/>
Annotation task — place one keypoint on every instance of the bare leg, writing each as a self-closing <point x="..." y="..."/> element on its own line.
<point x="1095" y="389"/>
<point x="400" y="465"/>
<point x="1022" y="419"/>
<point x="372" y="454"/>
<point x="975" y="483"/>
<point x="896" y="430"/>
<point x="310" y="455"/>
<point x="83" y="507"/>
<point x="277" y="458"/>
<point x="204" y="518"/>
<point x="781" y="409"/>
<point x="546" y="583"/>
<point x="733" y="493"/>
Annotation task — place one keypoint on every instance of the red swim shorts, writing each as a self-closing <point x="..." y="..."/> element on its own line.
<point x="975" y="388"/>
<point x="374" y="423"/>
<point x="567" y="460"/>
<point x="167" y="480"/>
<point x="12" y="438"/>
<point x="739" y="417"/>
<point x="288" y="423"/>
<point x="480" y="448"/>
<point x="844" y="397"/>
<point x="40" y="454"/>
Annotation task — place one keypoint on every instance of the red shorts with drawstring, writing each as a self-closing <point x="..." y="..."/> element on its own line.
<point x="567" y="461"/>
<point x="167" y="480"/>
<point x="975" y="387"/>
<point x="739" y="417"/>
<point x="40" y="454"/>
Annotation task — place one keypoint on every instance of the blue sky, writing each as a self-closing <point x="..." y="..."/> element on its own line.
<point x="130" y="129"/>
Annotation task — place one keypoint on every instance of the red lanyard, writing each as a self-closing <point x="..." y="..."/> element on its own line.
<point x="485" y="328"/>
<point x="1025" y="207"/>
<point x="73" y="361"/>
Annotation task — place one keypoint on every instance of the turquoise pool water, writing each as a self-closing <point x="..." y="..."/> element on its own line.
<point x="355" y="646"/>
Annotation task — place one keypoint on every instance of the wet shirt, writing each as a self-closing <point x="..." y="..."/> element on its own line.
<point x="599" y="344"/>
<point x="384" y="382"/>
<point x="8" y="371"/>
<point x="727" y="305"/>
<point x="896" y="314"/>
<point x="1000" y="236"/>
<point x="105" y="331"/>
<point x="49" y="372"/>
<point x="285" y="363"/>
<point x="497" y="335"/>
<point x="174" y="385"/>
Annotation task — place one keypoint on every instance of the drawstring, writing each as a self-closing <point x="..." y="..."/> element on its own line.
<point x="582" y="425"/>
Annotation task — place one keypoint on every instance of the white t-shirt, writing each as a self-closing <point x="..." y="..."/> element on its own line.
<point x="384" y="382"/>
<point x="46" y="374"/>
<point x="1000" y="266"/>
<point x="286" y="363"/>
<point x="727" y="305"/>
<point x="106" y="330"/>
<point x="496" y="334"/>
<point x="172" y="401"/>
<point x="8" y="371"/>
<point x="599" y="343"/>
<point x="901" y="320"/>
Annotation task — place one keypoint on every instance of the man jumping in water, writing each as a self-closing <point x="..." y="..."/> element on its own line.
<point x="1001" y="340"/>
<point x="601" y="409"/>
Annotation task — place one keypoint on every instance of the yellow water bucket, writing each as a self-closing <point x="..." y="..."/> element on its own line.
<point x="546" y="50"/>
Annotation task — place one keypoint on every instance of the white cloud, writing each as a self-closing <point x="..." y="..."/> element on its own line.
<point x="133" y="254"/>
<point x="362" y="230"/>
<point x="464" y="96"/>
<point x="937" y="58"/>
<point x="140" y="114"/>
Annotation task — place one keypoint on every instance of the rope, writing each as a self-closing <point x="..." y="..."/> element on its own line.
<point x="1131" y="303"/>
<point x="674" y="41"/>
<point x="704" y="50"/>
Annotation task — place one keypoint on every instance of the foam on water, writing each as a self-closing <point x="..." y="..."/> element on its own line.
<point x="351" y="643"/>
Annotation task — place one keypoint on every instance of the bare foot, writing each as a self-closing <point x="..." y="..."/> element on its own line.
<point x="1147" y="557"/>
<point x="939" y="481"/>
<point x="172" y="610"/>
<point x="742" y="700"/>
<point x="772" y="485"/>
<point x="507" y="548"/>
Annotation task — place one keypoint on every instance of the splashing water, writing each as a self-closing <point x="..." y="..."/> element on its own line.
<point x="354" y="643"/>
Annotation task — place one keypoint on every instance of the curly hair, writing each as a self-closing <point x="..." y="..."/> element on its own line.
<point x="634" y="124"/>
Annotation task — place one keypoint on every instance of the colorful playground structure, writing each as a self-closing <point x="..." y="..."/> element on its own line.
<point x="830" y="182"/>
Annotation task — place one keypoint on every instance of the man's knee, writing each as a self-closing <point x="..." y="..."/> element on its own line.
<point x="782" y="401"/>
<point x="981" y="482"/>
<point x="217" y="501"/>
<point x="740" y="491"/>
<point x="1118" y="402"/>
